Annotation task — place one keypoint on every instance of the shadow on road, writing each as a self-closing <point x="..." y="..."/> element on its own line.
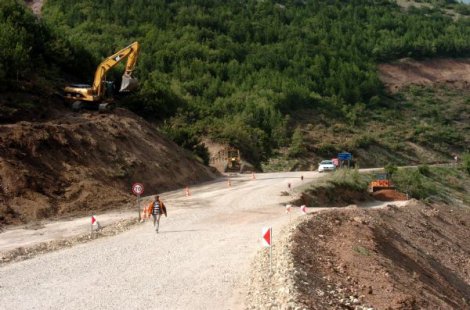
<point x="176" y="231"/>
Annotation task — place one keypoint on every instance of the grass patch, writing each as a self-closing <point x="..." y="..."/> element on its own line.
<point x="361" y="250"/>
<point x="338" y="189"/>
<point x="429" y="183"/>
<point x="347" y="178"/>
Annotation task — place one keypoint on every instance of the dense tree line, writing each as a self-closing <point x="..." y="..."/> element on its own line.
<point x="234" y="69"/>
<point x="28" y="46"/>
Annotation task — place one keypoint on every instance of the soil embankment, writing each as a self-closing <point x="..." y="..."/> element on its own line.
<point x="453" y="72"/>
<point x="86" y="162"/>
<point x="411" y="257"/>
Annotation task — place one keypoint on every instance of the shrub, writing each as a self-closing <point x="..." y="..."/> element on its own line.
<point x="297" y="147"/>
<point x="424" y="170"/>
<point x="391" y="169"/>
<point x="349" y="178"/>
<point x="466" y="162"/>
<point x="412" y="182"/>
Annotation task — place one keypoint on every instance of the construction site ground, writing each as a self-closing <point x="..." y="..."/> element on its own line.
<point x="368" y="256"/>
<point x="57" y="172"/>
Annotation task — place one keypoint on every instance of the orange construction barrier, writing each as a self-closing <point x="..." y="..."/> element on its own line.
<point x="146" y="212"/>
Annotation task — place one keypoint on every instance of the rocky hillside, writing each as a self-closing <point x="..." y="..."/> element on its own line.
<point x="82" y="163"/>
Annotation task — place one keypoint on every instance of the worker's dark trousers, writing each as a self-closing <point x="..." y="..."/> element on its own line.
<point x="156" y="221"/>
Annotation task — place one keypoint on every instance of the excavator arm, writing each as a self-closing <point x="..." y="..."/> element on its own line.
<point x="128" y="82"/>
<point x="79" y="94"/>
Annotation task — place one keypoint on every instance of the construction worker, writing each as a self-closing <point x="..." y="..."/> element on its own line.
<point x="157" y="209"/>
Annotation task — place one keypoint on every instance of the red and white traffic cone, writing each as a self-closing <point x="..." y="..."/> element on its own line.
<point x="253" y="176"/>
<point x="229" y="183"/>
<point x="288" y="207"/>
<point x="187" y="192"/>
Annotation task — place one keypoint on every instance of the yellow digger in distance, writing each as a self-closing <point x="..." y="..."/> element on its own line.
<point x="233" y="162"/>
<point x="99" y="95"/>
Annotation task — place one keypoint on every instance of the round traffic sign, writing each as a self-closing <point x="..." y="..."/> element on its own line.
<point x="138" y="188"/>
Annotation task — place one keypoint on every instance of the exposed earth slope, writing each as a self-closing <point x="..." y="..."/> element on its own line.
<point x="452" y="72"/>
<point x="410" y="257"/>
<point x="80" y="163"/>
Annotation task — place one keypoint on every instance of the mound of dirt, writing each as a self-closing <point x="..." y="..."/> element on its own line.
<point x="389" y="195"/>
<point x="86" y="162"/>
<point x="413" y="257"/>
<point x="332" y="196"/>
<point x="455" y="72"/>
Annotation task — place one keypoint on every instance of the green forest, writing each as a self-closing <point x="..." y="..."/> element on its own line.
<point x="232" y="70"/>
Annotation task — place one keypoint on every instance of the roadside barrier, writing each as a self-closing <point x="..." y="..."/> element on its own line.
<point x="146" y="213"/>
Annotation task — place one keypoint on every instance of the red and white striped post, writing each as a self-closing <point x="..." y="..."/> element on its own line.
<point x="288" y="208"/>
<point x="267" y="242"/>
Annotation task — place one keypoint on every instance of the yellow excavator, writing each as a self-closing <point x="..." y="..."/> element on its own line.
<point x="99" y="95"/>
<point x="232" y="160"/>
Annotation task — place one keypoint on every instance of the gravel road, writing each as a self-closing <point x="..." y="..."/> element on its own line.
<point x="199" y="260"/>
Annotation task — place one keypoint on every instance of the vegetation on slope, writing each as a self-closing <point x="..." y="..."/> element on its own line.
<point x="447" y="184"/>
<point x="29" y="46"/>
<point x="420" y="125"/>
<point x="32" y="54"/>
<point x="234" y="70"/>
<point x="237" y="72"/>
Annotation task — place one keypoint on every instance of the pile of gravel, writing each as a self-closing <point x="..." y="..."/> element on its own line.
<point x="23" y="253"/>
<point x="283" y="287"/>
<point x="275" y="289"/>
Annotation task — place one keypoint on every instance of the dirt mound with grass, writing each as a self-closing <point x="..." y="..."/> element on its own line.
<point x="454" y="72"/>
<point x="411" y="257"/>
<point x="82" y="163"/>
<point x="333" y="197"/>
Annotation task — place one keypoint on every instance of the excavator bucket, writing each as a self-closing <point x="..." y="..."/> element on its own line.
<point x="128" y="83"/>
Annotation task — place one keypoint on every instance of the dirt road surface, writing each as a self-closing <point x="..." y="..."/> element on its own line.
<point x="199" y="260"/>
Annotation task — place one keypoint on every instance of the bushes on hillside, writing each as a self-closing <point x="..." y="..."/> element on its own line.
<point x="297" y="147"/>
<point x="466" y="162"/>
<point x="28" y="46"/>
<point x="251" y="62"/>
<point x="415" y="184"/>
